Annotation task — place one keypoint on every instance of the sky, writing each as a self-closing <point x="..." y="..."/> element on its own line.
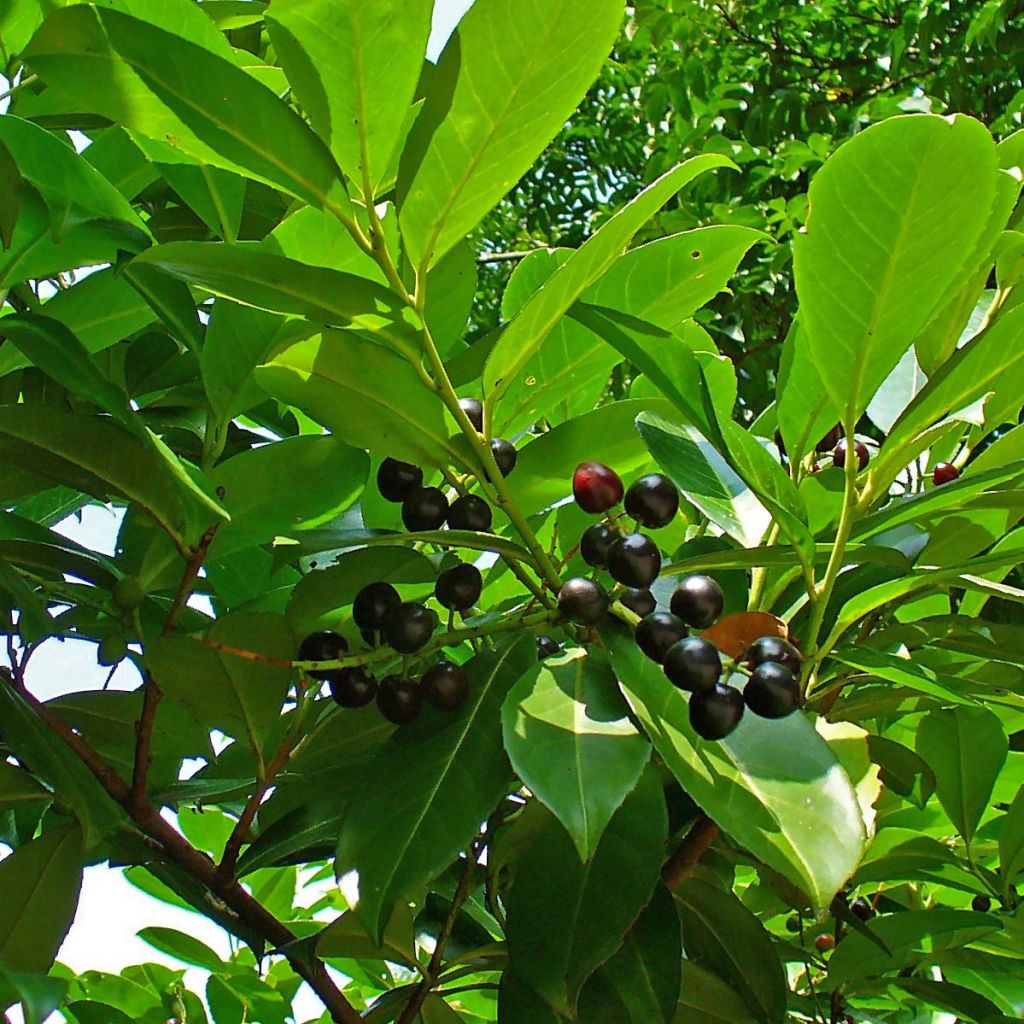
<point x="111" y="911"/>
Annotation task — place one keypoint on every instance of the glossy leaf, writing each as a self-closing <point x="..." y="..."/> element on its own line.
<point x="570" y="740"/>
<point x="706" y="999"/>
<point x="426" y="793"/>
<point x="185" y="948"/>
<point x="747" y="783"/>
<point x="1011" y="840"/>
<point x="42" y="880"/>
<point x="508" y="79"/>
<point x="893" y="217"/>
<point x="566" y="918"/>
<point x="965" y="748"/>
<point x="17" y="787"/>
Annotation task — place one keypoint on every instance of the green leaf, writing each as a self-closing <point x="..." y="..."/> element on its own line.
<point x="894" y="215"/>
<point x="346" y="937"/>
<point x="186" y="948"/>
<point x="705" y="478"/>
<point x="966" y="749"/>
<point x="706" y="999"/>
<point x="1011" y="841"/>
<point x="39" y="995"/>
<point x="569" y="737"/>
<point x="509" y="77"/>
<point x="566" y="918"/>
<point x="170" y="300"/>
<point x="41" y="881"/>
<point x="356" y="102"/>
<point x="722" y="935"/>
<point x="241" y="696"/>
<point x="644" y="976"/>
<point x="251" y="276"/>
<point x="34" y="621"/>
<point x="426" y="793"/>
<point x="773" y="786"/>
<point x="284" y="486"/>
<point x="571" y="279"/>
<point x="17" y="788"/>
<point x="366" y="395"/>
<point x="171" y="89"/>
<point x="965" y="1003"/>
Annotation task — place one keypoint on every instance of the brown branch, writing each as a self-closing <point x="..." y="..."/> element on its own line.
<point x="433" y="972"/>
<point x="678" y="868"/>
<point x="151" y="692"/>
<point x="504" y="257"/>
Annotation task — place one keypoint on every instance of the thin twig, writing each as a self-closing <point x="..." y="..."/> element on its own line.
<point x="678" y="868"/>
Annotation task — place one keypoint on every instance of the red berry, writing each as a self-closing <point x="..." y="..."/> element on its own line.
<point x="839" y="454"/>
<point x="596" y="487"/>
<point x="824" y="942"/>
<point x="944" y="473"/>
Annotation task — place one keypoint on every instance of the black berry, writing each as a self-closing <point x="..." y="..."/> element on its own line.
<point x="409" y="628"/>
<point x="830" y="440"/>
<point x="445" y="686"/>
<point x="583" y="601"/>
<point x="657" y="632"/>
<point x="772" y="691"/>
<point x="634" y="560"/>
<point x="373" y="604"/>
<point x="474" y="410"/>
<point x="398" y="699"/>
<point x="505" y="455"/>
<point x="459" y="588"/>
<point x="653" y="500"/>
<point x="594" y="544"/>
<point x="596" y="487"/>
<point x="698" y="601"/>
<point x="547" y="647"/>
<point x="774" y="648"/>
<point x="861" y="908"/>
<point x="982" y="904"/>
<point x="639" y="601"/>
<point x="397" y="480"/>
<point x="839" y="454"/>
<point x="425" y="509"/>
<point x="944" y="473"/>
<point x="693" y="664"/>
<point x="352" y="687"/>
<point x="323" y="646"/>
<point x="470" y="513"/>
<point x="793" y="923"/>
<point x="714" y="713"/>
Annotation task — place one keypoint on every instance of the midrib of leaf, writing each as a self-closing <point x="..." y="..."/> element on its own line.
<point x="243" y="706"/>
<point x="447" y="763"/>
<point x="360" y="96"/>
<point x="962" y="777"/>
<point x="577" y="745"/>
<point x="218" y="204"/>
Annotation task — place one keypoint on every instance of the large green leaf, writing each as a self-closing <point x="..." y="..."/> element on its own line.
<point x="966" y="748"/>
<point x="1011" y="841"/>
<point x="365" y="394"/>
<point x="288" y="485"/>
<point x="706" y="999"/>
<point x="508" y="79"/>
<point x="566" y="918"/>
<point x="41" y="881"/>
<point x="17" y="787"/>
<point x="548" y="305"/>
<point x="774" y="786"/>
<point x="356" y="101"/>
<point x="722" y="935"/>
<point x="426" y="793"/>
<point x="238" y="695"/>
<point x="894" y="215"/>
<point x="177" y="91"/>
<point x="569" y="737"/>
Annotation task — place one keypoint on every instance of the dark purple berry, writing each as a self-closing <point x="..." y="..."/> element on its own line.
<point x="547" y="647"/>
<point x="715" y="712"/>
<point x="583" y="601"/>
<point x="397" y="480"/>
<point x="323" y="646"/>
<point x="594" y="544"/>
<point x="698" y="601"/>
<point x="505" y="455"/>
<point x="653" y="500"/>
<point x="459" y="588"/>
<point x="474" y="410"/>
<point x="657" y="632"/>
<point x="693" y="664"/>
<point x="982" y="904"/>
<point x="425" y="509"/>
<point x="639" y="601"/>
<point x="830" y="440"/>
<point x="470" y="513"/>
<point x="839" y="454"/>
<point x="373" y="604"/>
<point x="398" y="699"/>
<point x="774" y="648"/>
<point x="409" y="628"/>
<point x="352" y="687"/>
<point x="445" y="686"/>
<point x="596" y="487"/>
<point x="772" y="691"/>
<point x="861" y="908"/>
<point x="634" y="560"/>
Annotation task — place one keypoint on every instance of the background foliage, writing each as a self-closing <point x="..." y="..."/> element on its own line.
<point x="245" y="258"/>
